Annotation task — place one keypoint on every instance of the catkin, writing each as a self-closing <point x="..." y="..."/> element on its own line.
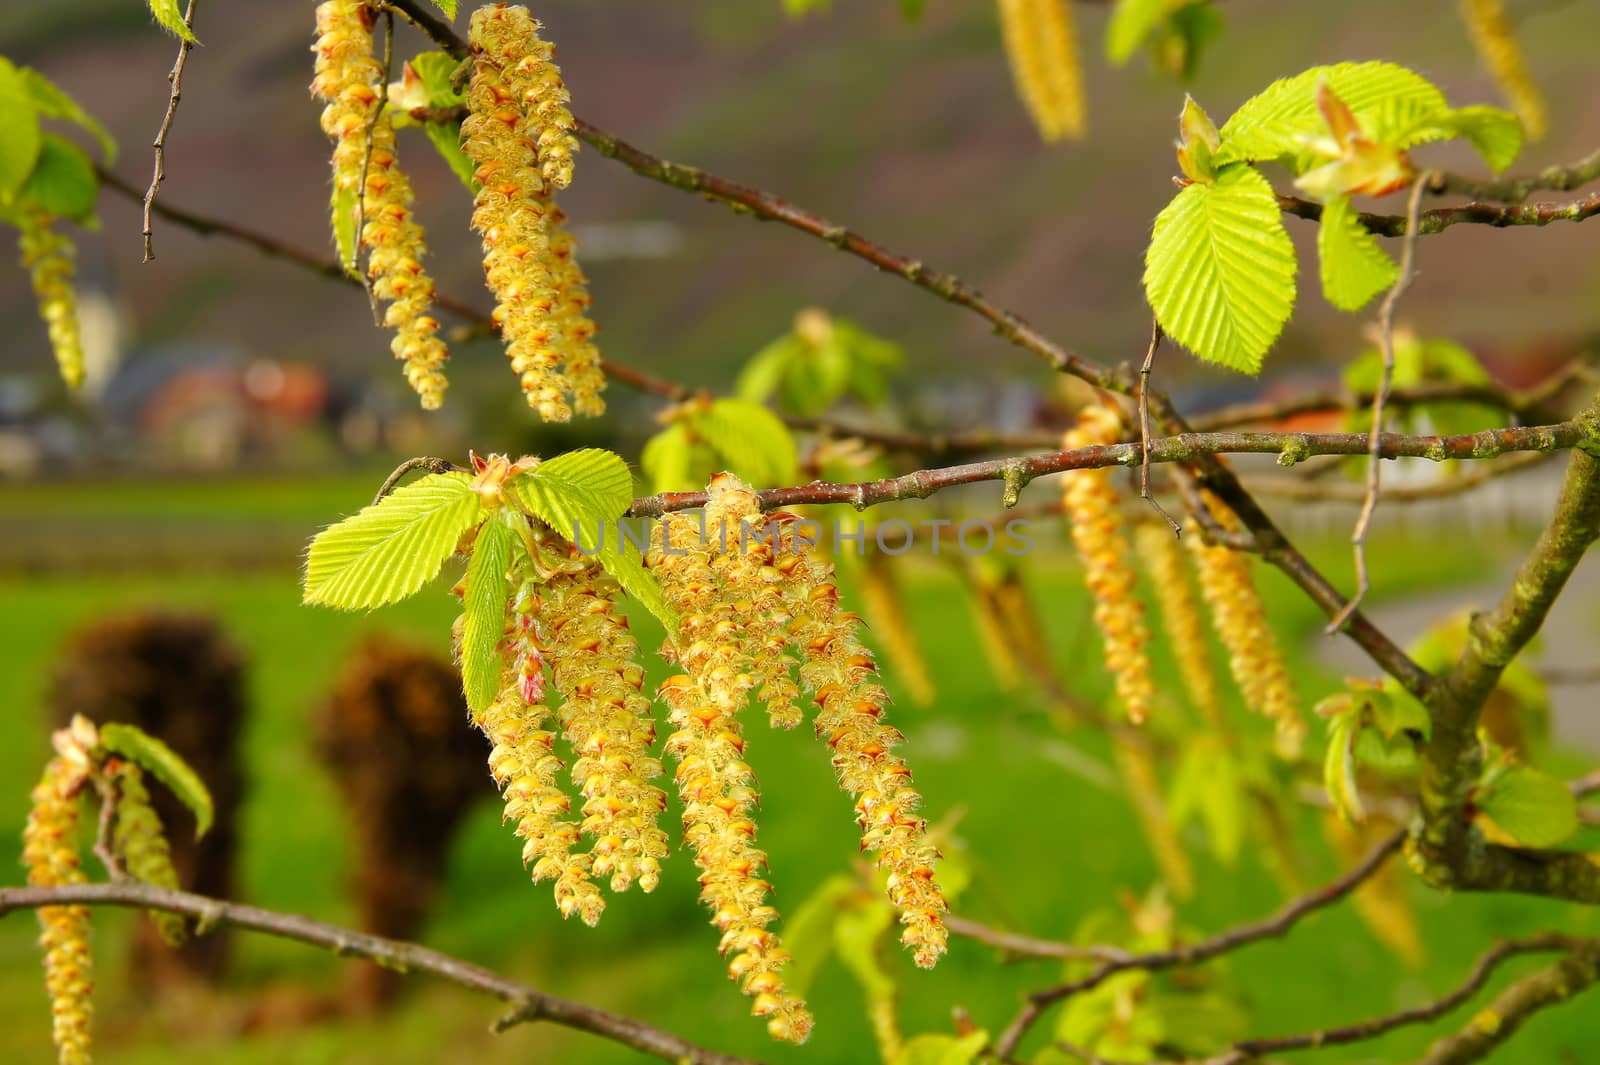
<point x="348" y="77"/>
<point x="1163" y="557"/>
<point x="50" y="852"/>
<point x="1100" y="537"/>
<point x="524" y="764"/>
<point x="518" y="134"/>
<point x="48" y="256"/>
<point x="1254" y="657"/>
<point x="1498" y="48"/>
<point x="885" y="607"/>
<point x="717" y="787"/>
<point x="141" y="845"/>
<point x="1042" y="47"/>
<point x="1140" y="773"/>
<point x="842" y="677"/>
<point x="606" y="718"/>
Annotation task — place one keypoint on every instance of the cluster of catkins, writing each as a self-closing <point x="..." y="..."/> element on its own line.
<point x="48" y="256"/>
<point x="1042" y="47"/>
<point x="518" y="134"/>
<point x="1100" y="537"/>
<point x="50" y="851"/>
<point x="368" y="181"/>
<point x="759" y="619"/>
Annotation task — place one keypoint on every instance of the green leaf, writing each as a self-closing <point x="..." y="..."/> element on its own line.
<point x="1531" y="807"/>
<point x="1339" y="766"/>
<point x="52" y="102"/>
<point x="763" y="375"/>
<point x="581" y="492"/>
<point x="857" y="934"/>
<point x="1131" y="22"/>
<point x="163" y="763"/>
<point x="1354" y="268"/>
<point x="577" y="491"/>
<point x="1209" y="783"/>
<point x="931" y="1049"/>
<point x="63" y="181"/>
<point x="750" y="440"/>
<point x="484" y="606"/>
<point x="1387" y="100"/>
<point x="817" y="378"/>
<point x="446" y="139"/>
<point x="447" y="6"/>
<point x="170" y="14"/>
<point x="808" y="932"/>
<point x="435" y="70"/>
<point x="1220" y="270"/>
<point x="19" y="129"/>
<point x="392" y="548"/>
<point x="344" y="228"/>
<point x="665" y="460"/>
<point x="1496" y="135"/>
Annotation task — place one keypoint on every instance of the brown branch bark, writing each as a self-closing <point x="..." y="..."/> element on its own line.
<point x="1512" y="1007"/>
<point x="528" y="1003"/>
<point x="1440" y="219"/>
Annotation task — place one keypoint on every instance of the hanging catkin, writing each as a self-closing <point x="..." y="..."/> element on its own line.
<point x="1163" y="557"/>
<point x="48" y="257"/>
<point x="50" y="852"/>
<point x="1042" y="47"/>
<point x="1498" y="48"/>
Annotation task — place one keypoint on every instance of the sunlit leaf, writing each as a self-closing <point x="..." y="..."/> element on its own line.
<point x="1354" y="268"/>
<point x="19" y="129"/>
<point x="63" y="181"/>
<point x="163" y="763"/>
<point x="52" y="102"/>
<point x="750" y="440"/>
<point x="1531" y="807"/>
<point x="484" y="609"/>
<point x="169" y="13"/>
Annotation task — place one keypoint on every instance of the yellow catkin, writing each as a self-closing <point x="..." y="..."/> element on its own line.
<point x="606" y="717"/>
<point x="141" y="845"/>
<point x="48" y="256"/>
<point x="1143" y="779"/>
<point x="1100" y="537"/>
<point x="518" y="135"/>
<point x="1163" y="557"/>
<point x="1380" y="901"/>
<point x="717" y="787"/>
<point x="884" y="603"/>
<point x="1042" y="47"/>
<point x="50" y="852"/>
<point x="525" y="766"/>
<point x="989" y="618"/>
<point x="1254" y="657"/>
<point x="1498" y="48"/>
<point x="348" y="77"/>
<point x="842" y="677"/>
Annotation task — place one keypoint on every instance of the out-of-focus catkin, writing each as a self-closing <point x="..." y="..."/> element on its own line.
<point x="525" y="766"/>
<point x="50" y="852"/>
<point x="1042" y="47"/>
<point x="349" y="77"/>
<point x="141" y="845"/>
<point x="1140" y="773"/>
<point x="48" y="257"/>
<point x="842" y="677"/>
<point x="606" y="718"/>
<point x="1163" y="558"/>
<point x="1254" y="657"/>
<point x="1100" y="538"/>
<point x="716" y="785"/>
<point x="518" y="134"/>
<point x="885" y="607"/>
<point x="1498" y="48"/>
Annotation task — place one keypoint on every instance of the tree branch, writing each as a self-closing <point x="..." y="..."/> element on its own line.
<point x="1502" y="1017"/>
<point x="1515" y="190"/>
<point x="1267" y="928"/>
<point x="159" y="172"/>
<point x="529" y="1003"/>
<point x="1439" y="219"/>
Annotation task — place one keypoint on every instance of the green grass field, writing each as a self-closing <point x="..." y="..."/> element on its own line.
<point x="1050" y="842"/>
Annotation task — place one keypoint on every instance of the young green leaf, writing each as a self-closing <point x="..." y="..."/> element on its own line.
<point x="19" y="130"/>
<point x="808" y="932"/>
<point x="169" y="13"/>
<point x="763" y="375"/>
<point x="665" y="459"/>
<point x="1531" y="807"/>
<point x="1131" y="22"/>
<point x="52" y="102"/>
<point x="1386" y="98"/>
<point x="63" y="181"/>
<point x="392" y="548"/>
<point x="1496" y="135"/>
<point x="446" y="140"/>
<point x="577" y="491"/>
<point x="1354" y="268"/>
<point x="1220" y="270"/>
<point x="932" y="1049"/>
<point x="344" y="229"/>
<point x="1208" y="784"/>
<point x="163" y="763"/>
<point x="857" y="934"/>
<point x="1339" y="765"/>
<point x="750" y="440"/>
<point x="426" y="81"/>
<point x="484" y="608"/>
<point x="447" y="6"/>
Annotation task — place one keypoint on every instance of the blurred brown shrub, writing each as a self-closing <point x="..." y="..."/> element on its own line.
<point x="395" y="735"/>
<point x="178" y="677"/>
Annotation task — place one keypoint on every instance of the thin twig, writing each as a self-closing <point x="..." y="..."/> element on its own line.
<point x="1358" y="539"/>
<point x="1028" y="946"/>
<point x="105" y="786"/>
<point x="421" y="462"/>
<point x="530" y="1003"/>
<point x="1144" y="427"/>
<point x="1269" y="927"/>
<point x="366" y="165"/>
<point x="175" y="78"/>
